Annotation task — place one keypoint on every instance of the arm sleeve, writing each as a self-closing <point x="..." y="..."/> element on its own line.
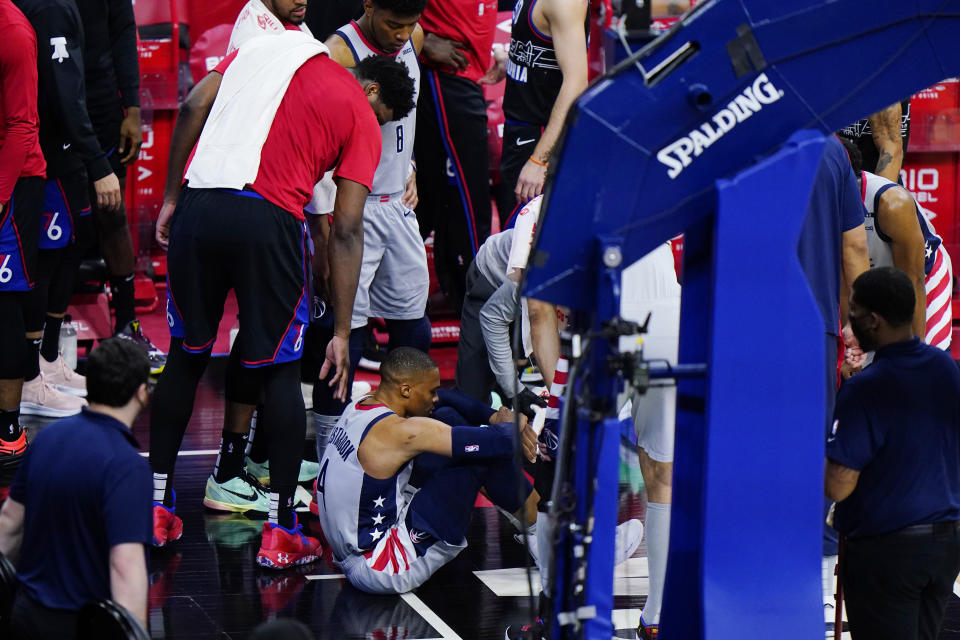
<point x="494" y="441"/>
<point x="855" y="438"/>
<point x="495" y="318"/>
<point x="127" y="503"/>
<point x="18" y="90"/>
<point x="361" y="150"/>
<point x="473" y="411"/>
<point x="60" y="61"/>
<point x="123" y="45"/>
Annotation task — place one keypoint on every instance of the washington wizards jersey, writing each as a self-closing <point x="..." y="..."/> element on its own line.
<point x="397" y="150"/>
<point x="878" y="243"/>
<point x="360" y="515"/>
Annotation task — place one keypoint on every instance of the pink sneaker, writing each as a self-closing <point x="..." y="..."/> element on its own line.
<point x="40" y="398"/>
<point x="63" y="377"/>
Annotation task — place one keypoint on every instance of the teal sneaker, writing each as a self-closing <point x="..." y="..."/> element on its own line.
<point x="240" y="494"/>
<point x="261" y="471"/>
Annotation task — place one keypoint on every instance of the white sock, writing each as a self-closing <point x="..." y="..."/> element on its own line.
<point x="159" y="486"/>
<point x="658" y="540"/>
<point x="544" y="549"/>
<point x="216" y="465"/>
<point x="250" y="435"/>
<point x="828" y="567"/>
<point x="274" y="507"/>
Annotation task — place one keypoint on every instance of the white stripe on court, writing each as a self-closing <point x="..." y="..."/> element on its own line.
<point x="630" y="578"/>
<point x="195" y="452"/>
<point x="446" y="633"/>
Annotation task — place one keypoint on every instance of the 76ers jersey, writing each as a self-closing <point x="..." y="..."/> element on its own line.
<point x="397" y="150"/>
<point x="937" y="266"/>
<point x="361" y="515"/>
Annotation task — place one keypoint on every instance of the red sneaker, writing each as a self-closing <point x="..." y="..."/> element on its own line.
<point x="281" y="548"/>
<point x="11" y="453"/>
<point x="167" y="527"/>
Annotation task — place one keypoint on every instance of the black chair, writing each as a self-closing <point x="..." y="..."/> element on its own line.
<point x="8" y="589"/>
<point x="106" y="620"/>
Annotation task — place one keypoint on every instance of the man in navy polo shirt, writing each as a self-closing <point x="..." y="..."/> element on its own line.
<point x="76" y="538"/>
<point x="893" y="467"/>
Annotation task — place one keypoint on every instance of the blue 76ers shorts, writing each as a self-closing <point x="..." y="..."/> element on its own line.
<point x="64" y="200"/>
<point x="220" y="240"/>
<point x="19" y="230"/>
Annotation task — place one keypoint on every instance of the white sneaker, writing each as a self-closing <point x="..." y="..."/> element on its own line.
<point x="42" y="399"/>
<point x="629" y="536"/>
<point x="63" y="377"/>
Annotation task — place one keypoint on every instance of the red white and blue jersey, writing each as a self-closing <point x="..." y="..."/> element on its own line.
<point x="361" y="515"/>
<point x="397" y="145"/>
<point x="937" y="265"/>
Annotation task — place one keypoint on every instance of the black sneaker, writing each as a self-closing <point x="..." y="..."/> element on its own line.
<point x="133" y="331"/>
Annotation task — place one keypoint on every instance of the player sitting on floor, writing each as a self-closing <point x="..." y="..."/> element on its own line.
<point x="386" y="535"/>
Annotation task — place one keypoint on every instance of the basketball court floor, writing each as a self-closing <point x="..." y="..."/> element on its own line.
<point x="208" y="586"/>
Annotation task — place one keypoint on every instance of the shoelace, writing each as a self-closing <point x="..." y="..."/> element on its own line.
<point x="253" y="482"/>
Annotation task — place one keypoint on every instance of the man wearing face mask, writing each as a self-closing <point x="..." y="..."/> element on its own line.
<point x="76" y="538"/>
<point x="893" y="467"/>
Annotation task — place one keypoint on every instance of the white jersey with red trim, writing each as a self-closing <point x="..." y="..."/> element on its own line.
<point x="397" y="150"/>
<point x="937" y="265"/>
<point x="361" y="515"/>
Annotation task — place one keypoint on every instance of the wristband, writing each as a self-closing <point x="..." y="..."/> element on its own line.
<point x="538" y="163"/>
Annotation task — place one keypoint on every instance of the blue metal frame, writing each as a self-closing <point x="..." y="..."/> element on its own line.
<point x="664" y="144"/>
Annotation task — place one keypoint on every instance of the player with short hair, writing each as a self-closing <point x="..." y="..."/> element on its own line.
<point x="239" y="224"/>
<point x="394" y="281"/>
<point x="384" y="540"/>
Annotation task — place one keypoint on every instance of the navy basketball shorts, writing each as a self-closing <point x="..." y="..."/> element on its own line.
<point x="19" y="234"/>
<point x="65" y="201"/>
<point x="222" y="239"/>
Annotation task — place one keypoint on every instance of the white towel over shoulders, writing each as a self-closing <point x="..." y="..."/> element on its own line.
<point x="228" y="152"/>
<point x="256" y="20"/>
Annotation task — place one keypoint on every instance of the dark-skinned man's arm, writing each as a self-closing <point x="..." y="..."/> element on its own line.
<point x="897" y="218"/>
<point x="193" y="115"/>
<point x="345" y="250"/>
<point x="885" y="128"/>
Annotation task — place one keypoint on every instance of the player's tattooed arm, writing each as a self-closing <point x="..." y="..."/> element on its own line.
<point x="885" y="127"/>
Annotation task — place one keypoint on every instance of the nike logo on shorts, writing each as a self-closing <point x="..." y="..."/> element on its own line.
<point x="520" y="142"/>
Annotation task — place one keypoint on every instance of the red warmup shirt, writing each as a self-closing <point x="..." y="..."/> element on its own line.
<point x="324" y="119"/>
<point x="20" y="154"/>
<point x="471" y="22"/>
